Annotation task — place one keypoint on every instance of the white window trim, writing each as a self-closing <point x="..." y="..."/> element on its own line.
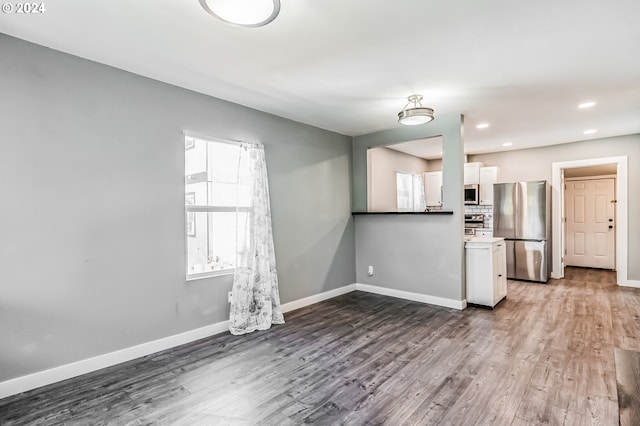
<point x="209" y="138"/>
<point x="208" y="209"/>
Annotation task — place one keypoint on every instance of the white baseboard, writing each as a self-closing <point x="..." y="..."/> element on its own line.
<point x="301" y="303"/>
<point x="68" y="371"/>
<point x="64" y="372"/>
<point x="630" y="283"/>
<point x="416" y="297"/>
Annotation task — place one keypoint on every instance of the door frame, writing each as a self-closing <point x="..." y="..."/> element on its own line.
<point x="621" y="229"/>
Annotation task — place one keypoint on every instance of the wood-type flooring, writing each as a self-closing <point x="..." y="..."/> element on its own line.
<point x="545" y="355"/>
<point x="628" y="378"/>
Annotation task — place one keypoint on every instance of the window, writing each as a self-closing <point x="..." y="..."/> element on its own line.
<point x="214" y="201"/>
<point x="410" y="192"/>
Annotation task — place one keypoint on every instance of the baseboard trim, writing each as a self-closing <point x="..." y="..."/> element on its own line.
<point x="630" y="283"/>
<point x="316" y="298"/>
<point x="68" y="371"/>
<point x="416" y="297"/>
<point x="64" y="372"/>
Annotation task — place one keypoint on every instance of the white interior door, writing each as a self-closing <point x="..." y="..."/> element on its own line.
<point x="590" y="226"/>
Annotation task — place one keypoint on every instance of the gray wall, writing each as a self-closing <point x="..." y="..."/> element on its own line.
<point x="92" y="250"/>
<point x="535" y="164"/>
<point x="421" y="254"/>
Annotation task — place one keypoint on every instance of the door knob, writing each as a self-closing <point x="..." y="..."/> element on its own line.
<point x="610" y="226"/>
<point x="610" y="220"/>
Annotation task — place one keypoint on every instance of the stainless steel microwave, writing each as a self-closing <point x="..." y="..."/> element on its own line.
<point x="472" y="194"/>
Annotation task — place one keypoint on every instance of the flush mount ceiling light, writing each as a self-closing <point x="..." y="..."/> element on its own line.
<point x="244" y="13"/>
<point x="416" y="114"/>
<point x="586" y="105"/>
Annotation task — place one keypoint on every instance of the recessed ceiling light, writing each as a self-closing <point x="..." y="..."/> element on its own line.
<point x="245" y="13"/>
<point x="590" y="131"/>
<point x="507" y="144"/>
<point x="587" y="104"/>
<point x="482" y="126"/>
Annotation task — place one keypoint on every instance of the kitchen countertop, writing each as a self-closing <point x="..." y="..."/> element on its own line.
<point x="484" y="240"/>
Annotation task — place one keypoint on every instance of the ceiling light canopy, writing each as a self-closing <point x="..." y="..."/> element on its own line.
<point x="590" y="131"/>
<point x="482" y="126"/>
<point x="414" y="113"/>
<point x="244" y="13"/>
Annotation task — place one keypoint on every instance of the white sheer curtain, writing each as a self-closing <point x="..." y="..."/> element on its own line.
<point x="419" y="200"/>
<point x="255" y="301"/>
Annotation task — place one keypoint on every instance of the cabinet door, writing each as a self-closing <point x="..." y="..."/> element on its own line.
<point x="500" y="271"/>
<point x="433" y="188"/>
<point x="488" y="176"/>
<point x="472" y="173"/>
<point x="479" y="273"/>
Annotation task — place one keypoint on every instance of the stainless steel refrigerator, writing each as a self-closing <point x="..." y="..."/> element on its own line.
<point x="521" y="215"/>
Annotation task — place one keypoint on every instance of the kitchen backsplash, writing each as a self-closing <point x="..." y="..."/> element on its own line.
<point x="487" y="211"/>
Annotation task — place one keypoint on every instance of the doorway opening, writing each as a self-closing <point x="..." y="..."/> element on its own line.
<point x="589" y="217"/>
<point x="561" y="174"/>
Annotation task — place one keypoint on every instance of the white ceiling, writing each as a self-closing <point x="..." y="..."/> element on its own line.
<point x="348" y="66"/>
<point x="429" y="148"/>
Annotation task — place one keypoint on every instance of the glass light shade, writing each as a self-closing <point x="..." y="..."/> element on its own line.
<point x="245" y="13"/>
<point x="415" y="116"/>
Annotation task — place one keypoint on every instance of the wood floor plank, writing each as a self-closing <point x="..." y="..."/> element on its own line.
<point x="545" y="355"/>
<point x="628" y="385"/>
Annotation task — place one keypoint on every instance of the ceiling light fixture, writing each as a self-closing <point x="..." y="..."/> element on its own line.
<point x="507" y="144"/>
<point x="590" y="131"/>
<point x="482" y="126"/>
<point x="585" y="105"/>
<point x="416" y="114"/>
<point x="243" y="13"/>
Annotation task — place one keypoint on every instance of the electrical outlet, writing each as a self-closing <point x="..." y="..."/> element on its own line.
<point x="370" y="272"/>
<point x="229" y="297"/>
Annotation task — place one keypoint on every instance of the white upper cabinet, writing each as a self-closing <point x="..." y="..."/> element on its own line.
<point x="433" y="188"/>
<point x="488" y="176"/>
<point x="472" y="173"/>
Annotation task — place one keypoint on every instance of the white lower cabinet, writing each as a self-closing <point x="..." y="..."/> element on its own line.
<point x="486" y="271"/>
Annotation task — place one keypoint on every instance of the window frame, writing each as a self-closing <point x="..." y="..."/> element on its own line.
<point x="205" y="208"/>
<point x="410" y="176"/>
<point x="413" y="195"/>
